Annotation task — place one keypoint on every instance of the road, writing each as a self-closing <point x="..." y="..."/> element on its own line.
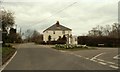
<point x="37" y="57"/>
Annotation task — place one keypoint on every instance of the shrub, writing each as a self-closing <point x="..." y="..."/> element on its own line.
<point x="60" y="46"/>
<point x="40" y="42"/>
<point x="7" y="45"/>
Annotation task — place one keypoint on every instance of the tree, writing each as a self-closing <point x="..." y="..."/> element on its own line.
<point x="64" y="39"/>
<point x="59" y="38"/>
<point x="49" y="38"/>
<point x="100" y="31"/>
<point x="95" y="32"/>
<point x="108" y="35"/>
<point x="107" y="30"/>
<point x="36" y="37"/>
<point x="33" y="36"/>
<point x="115" y="30"/>
<point x="12" y="36"/>
<point x="7" y="19"/>
<point x="28" y="33"/>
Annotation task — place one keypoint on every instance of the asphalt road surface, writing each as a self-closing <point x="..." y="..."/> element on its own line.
<point x="37" y="57"/>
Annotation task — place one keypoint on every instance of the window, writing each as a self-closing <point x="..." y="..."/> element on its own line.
<point x="63" y="32"/>
<point x="53" y="32"/>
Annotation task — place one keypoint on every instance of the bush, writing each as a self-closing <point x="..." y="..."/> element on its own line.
<point x="52" y="42"/>
<point x="7" y="45"/>
<point x="40" y="42"/>
<point x="60" y="46"/>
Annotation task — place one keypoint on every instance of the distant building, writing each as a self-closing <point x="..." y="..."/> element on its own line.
<point x="56" y="31"/>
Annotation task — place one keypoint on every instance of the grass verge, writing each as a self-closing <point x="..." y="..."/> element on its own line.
<point x="7" y="53"/>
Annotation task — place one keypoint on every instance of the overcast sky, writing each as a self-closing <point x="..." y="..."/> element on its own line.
<point x="79" y="15"/>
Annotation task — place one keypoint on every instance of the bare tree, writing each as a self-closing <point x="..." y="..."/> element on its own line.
<point x="36" y="36"/>
<point x="115" y="30"/>
<point x="95" y="32"/>
<point x="107" y="30"/>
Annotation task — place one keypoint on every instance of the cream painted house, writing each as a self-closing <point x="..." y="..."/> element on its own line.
<point x="57" y="30"/>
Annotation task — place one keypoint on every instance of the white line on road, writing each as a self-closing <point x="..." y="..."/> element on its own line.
<point x="115" y="67"/>
<point x="107" y="61"/>
<point x="62" y="51"/>
<point x="116" y="57"/>
<point x="71" y="53"/>
<point x="3" y="66"/>
<point x="87" y="58"/>
<point x="95" y="59"/>
<point x="102" y="63"/>
<point x="77" y="55"/>
<point x="97" y="56"/>
<point x="100" y="60"/>
<point x="112" y="63"/>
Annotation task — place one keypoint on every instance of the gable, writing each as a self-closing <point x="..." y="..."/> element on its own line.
<point x="57" y="26"/>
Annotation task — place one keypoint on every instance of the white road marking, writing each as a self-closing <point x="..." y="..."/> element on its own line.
<point x="62" y="51"/>
<point x="77" y="55"/>
<point x="102" y="63"/>
<point x="95" y="59"/>
<point x="116" y="57"/>
<point x="97" y="56"/>
<point x="71" y="53"/>
<point x="86" y="58"/>
<point x="112" y="63"/>
<point x="100" y="60"/>
<point x="115" y="67"/>
<point x="3" y="66"/>
<point x="108" y="62"/>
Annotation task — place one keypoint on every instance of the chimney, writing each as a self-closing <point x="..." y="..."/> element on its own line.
<point x="57" y="24"/>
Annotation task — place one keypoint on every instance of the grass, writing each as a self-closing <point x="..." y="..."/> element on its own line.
<point x="7" y="52"/>
<point x="0" y="50"/>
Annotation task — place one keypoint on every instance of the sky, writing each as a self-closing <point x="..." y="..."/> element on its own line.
<point x="79" y="15"/>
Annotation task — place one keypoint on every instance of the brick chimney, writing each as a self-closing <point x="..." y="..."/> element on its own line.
<point x="57" y="24"/>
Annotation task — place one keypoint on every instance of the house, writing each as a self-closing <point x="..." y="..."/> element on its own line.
<point x="56" y="31"/>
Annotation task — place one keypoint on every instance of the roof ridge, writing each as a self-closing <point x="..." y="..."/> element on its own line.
<point x="56" y="27"/>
